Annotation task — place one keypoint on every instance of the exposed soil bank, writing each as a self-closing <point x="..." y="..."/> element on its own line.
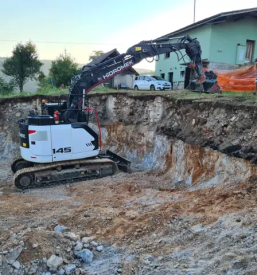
<point x="146" y="130"/>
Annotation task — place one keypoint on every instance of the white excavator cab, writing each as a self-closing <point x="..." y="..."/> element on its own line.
<point x="43" y="141"/>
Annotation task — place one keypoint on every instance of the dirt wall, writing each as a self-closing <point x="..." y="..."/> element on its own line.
<point x="229" y="127"/>
<point x="187" y="139"/>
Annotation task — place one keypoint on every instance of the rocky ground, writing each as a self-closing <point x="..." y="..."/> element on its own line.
<point x="129" y="224"/>
<point x="197" y="215"/>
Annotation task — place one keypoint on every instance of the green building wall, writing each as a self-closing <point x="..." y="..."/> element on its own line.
<point x="225" y="38"/>
<point x="171" y="64"/>
<point x="219" y="45"/>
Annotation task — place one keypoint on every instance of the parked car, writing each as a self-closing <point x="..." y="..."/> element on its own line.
<point x="151" y="82"/>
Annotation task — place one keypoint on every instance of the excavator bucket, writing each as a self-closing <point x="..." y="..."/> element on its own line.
<point x="209" y="85"/>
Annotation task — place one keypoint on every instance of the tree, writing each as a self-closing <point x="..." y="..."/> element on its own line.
<point x="63" y="69"/>
<point x="6" y="87"/>
<point x="42" y="79"/>
<point x="23" y="65"/>
<point x="95" y="54"/>
<point x="41" y="76"/>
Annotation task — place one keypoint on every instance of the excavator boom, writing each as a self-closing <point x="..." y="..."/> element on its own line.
<point x="93" y="75"/>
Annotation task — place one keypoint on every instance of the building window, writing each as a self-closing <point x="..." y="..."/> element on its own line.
<point x="163" y="76"/>
<point x="167" y="55"/>
<point x="249" y="50"/>
<point x="182" y="74"/>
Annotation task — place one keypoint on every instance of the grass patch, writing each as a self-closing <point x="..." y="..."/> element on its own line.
<point x="50" y="90"/>
<point x="12" y="95"/>
<point x="244" y="98"/>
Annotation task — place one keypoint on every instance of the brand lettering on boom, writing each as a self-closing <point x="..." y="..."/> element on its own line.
<point x="127" y="64"/>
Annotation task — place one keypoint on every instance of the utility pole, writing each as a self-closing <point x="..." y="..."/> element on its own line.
<point x="194" y="10"/>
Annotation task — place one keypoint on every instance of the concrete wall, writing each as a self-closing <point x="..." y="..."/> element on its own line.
<point x="222" y="66"/>
<point x="127" y="79"/>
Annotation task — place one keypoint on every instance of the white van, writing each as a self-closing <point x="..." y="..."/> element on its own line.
<point x="151" y="82"/>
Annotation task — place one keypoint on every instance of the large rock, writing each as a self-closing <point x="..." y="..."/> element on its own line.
<point x="87" y="239"/>
<point x="72" y="236"/>
<point x="99" y="248"/>
<point x="61" y="272"/>
<point x="70" y="268"/>
<point x="94" y="243"/>
<point x="57" y="235"/>
<point x="79" y="246"/>
<point x="86" y="255"/>
<point x="14" y="254"/>
<point x="54" y="262"/>
<point x="60" y="228"/>
<point x="16" y="265"/>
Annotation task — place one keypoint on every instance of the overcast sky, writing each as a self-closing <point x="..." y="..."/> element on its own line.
<point x="81" y="26"/>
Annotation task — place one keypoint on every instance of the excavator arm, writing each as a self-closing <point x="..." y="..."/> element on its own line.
<point x="93" y="75"/>
<point x="153" y="48"/>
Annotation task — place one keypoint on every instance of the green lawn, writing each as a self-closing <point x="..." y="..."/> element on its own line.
<point x="41" y="91"/>
<point x="246" y="98"/>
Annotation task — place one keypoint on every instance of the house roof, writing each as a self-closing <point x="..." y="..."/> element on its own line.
<point x="104" y="57"/>
<point x="217" y="19"/>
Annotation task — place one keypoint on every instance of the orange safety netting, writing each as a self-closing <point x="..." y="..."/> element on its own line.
<point x="239" y="80"/>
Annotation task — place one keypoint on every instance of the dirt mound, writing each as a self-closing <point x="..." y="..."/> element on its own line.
<point x="142" y="228"/>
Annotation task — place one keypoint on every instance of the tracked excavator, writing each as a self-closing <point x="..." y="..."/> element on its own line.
<point x="71" y="150"/>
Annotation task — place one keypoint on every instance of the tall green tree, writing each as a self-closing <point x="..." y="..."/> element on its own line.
<point x="95" y="54"/>
<point x="63" y="69"/>
<point x="23" y="64"/>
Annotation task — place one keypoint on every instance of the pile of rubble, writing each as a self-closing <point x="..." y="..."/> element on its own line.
<point x="71" y="253"/>
<point x="126" y="225"/>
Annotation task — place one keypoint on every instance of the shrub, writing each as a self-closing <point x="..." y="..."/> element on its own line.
<point x="6" y="88"/>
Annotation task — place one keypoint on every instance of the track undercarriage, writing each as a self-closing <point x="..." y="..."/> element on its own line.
<point x="33" y="175"/>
